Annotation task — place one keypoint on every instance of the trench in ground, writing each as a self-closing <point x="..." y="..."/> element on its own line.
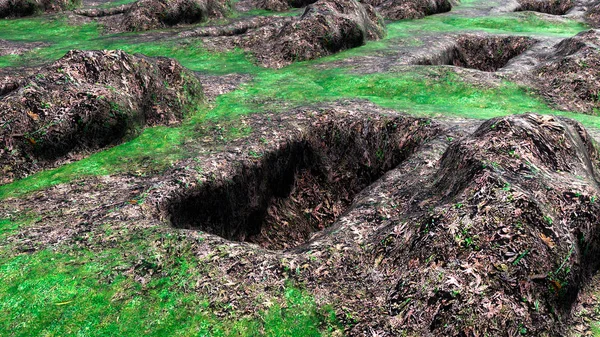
<point x="485" y="53"/>
<point x="302" y="187"/>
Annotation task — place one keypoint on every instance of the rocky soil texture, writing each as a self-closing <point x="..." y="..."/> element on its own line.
<point x="436" y="176"/>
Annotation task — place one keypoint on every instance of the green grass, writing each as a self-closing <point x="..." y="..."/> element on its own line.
<point x="422" y="91"/>
<point x="78" y="292"/>
<point x="116" y="3"/>
<point x="71" y="290"/>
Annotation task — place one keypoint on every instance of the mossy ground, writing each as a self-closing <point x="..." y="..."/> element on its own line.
<point x="67" y="290"/>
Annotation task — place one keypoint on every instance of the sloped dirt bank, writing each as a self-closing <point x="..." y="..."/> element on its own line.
<point x="88" y="100"/>
<point x="20" y="8"/>
<point x="279" y="200"/>
<point x="554" y="7"/>
<point x="570" y="78"/>
<point x="145" y="15"/>
<point x="493" y="231"/>
<point x="278" y="5"/>
<point x="412" y="9"/>
<point x="481" y="52"/>
<point x="326" y="27"/>
<point x="592" y="16"/>
<point x="503" y="236"/>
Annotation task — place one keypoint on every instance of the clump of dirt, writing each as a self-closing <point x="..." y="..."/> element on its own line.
<point x="145" y="15"/>
<point x="88" y="100"/>
<point x="156" y="14"/>
<point x="592" y="15"/>
<point x="571" y="77"/>
<point x="412" y="9"/>
<point x="481" y="52"/>
<point x="501" y="237"/>
<point x="280" y="5"/>
<point x="554" y="7"/>
<point x="325" y="27"/>
<point x="283" y="196"/>
<point x="20" y="8"/>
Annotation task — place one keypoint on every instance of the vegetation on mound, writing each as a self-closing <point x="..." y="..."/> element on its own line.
<point x="78" y="288"/>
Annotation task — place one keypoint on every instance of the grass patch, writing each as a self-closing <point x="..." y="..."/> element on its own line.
<point x="80" y="292"/>
<point x="422" y="91"/>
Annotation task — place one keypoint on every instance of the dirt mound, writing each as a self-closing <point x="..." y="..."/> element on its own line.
<point x="281" y="5"/>
<point x="326" y="27"/>
<point x="155" y="14"/>
<point x="145" y="15"/>
<point x="85" y="101"/>
<point x="571" y="78"/>
<point x="411" y="9"/>
<point x="19" y="8"/>
<point x="554" y="7"/>
<point x="501" y="237"/>
<point x="592" y="15"/>
<point x="279" y="198"/>
<point x="481" y="52"/>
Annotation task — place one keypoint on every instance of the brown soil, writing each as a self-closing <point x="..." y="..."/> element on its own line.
<point x="85" y="101"/>
<point x="279" y="200"/>
<point x="145" y="15"/>
<point x="280" y="5"/>
<point x="326" y="27"/>
<point x="554" y="7"/>
<point x="411" y="9"/>
<point x="592" y="15"/>
<point x="481" y="52"/>
<point x="492" y="233"/>
<point x="501" y="237"/>
<point x="19" y="8"/>
<point x="571" y="77"/>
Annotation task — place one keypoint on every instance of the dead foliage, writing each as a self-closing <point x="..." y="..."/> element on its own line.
<point x="481" y="52"/>
<point x="554" y="7"/>
<point x="280" y="5"/>
<point x="592" y="15"/>
<point x="570" y="78"/>
<point x="502" y="236"/>
<point x="155" y="14"/>
<point x="20" y="8"/>
<point x="279" y="198"/>
<point x="145" y="15"/>
<point x="411" y="9"/>
<point x="87" y="100"/>
<point x="325" y="27"/>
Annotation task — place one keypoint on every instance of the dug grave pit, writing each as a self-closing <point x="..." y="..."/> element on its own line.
<point x="480" y="52"/>
<point x="282" y="197"/>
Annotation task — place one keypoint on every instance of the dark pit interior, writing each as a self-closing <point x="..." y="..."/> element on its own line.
<point x="485" y="53"/>
<point x="303" y="187"/>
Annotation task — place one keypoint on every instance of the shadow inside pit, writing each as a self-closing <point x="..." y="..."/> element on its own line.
<point x="485" y="53"/>
<point x="303" y="187"/>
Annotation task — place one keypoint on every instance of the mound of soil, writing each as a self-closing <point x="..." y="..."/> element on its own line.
<point x="500" y="238"/>
<point x="411" y="9"/>
<point x="88" y="100"/>
<point x="326" y="27"/>
<point x="303" y="186"/>
<point x="20" y="8"/>
<point x="156" y="14"/>
<point x="145" y="15"/>
<point x="281" y="5"/>
<point x="592" y="15"/>
<point x="554" y="7"/>
<point x="571" y="78"/>
<point x="481" y="52"/>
